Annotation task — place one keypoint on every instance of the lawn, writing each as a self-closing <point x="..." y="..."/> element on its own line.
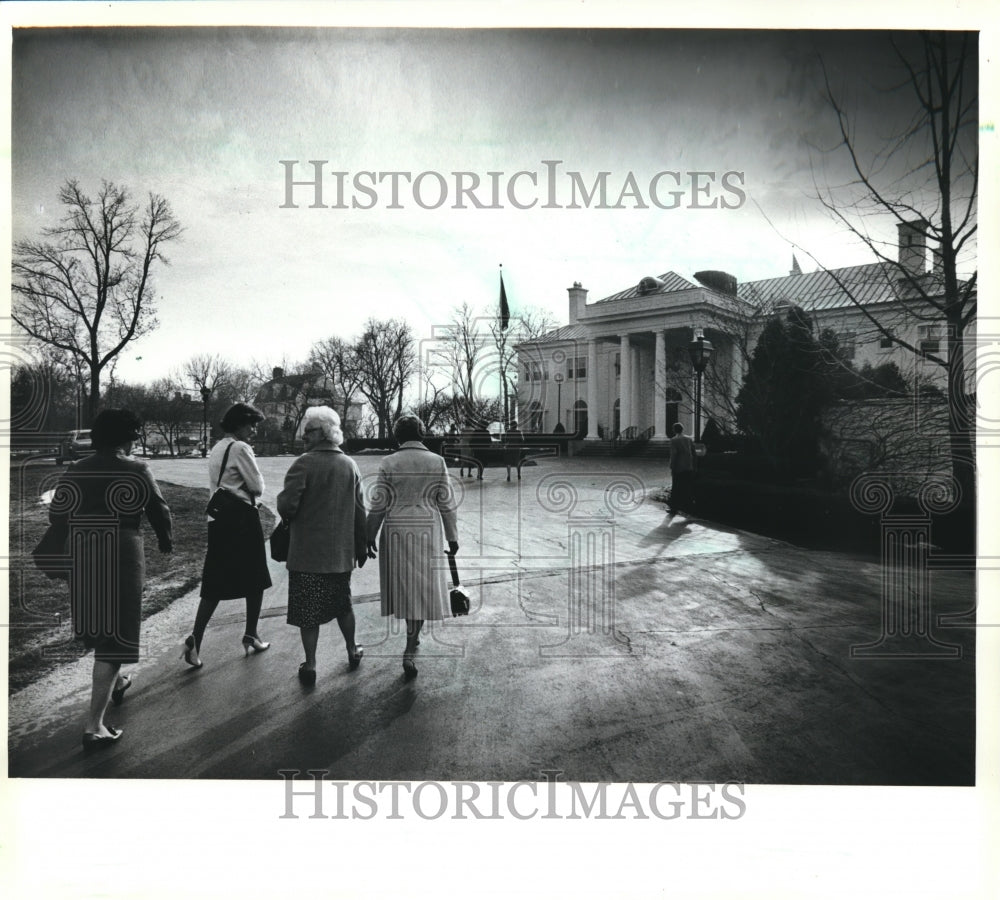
<point x="40" y="632"/>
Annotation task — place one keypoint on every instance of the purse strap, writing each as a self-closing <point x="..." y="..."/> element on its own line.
<point x="225" y="459"/>
<point x="222" y="471"/>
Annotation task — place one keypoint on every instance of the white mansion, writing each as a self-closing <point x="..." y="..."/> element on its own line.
<point x="622" y="362"/>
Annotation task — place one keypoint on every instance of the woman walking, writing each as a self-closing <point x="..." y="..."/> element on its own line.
<point x="103" y="498"/>
<point x="235" y="561"/>
<point x="411" y="501"/>
<point x="322" y="501"/>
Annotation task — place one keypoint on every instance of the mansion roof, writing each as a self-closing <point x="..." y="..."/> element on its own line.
<point x="819" y="291"/>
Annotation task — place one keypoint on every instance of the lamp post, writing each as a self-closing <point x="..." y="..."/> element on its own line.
<point x="558" y="377"/>
<point x="206" y="392"/>
<point x="700" y="350"/>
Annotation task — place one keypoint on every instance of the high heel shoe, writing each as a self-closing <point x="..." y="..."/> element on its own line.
<point x="252" y="642"/>
<point x="354" y="659"/>
<point x="189" y="651"/>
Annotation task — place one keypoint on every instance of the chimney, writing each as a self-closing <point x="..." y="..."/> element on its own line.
<point x="913" y="246"/>
<point x="937" y="264"/>
<point x="577" y="301"/>
<point x="277" y="372"/>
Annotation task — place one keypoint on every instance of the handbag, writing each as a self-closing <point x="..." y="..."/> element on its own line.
<point x="51" y="556"/>
<point x="280" y="539"/>
<point x="224" y="505"/>
<point x="460" y="603"/>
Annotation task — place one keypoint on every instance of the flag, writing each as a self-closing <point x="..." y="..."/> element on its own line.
<point x="504" y="308"/>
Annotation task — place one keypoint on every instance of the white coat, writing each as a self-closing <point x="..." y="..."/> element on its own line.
<point x="411" y="500"/>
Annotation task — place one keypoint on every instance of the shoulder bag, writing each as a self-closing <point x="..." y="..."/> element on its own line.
<point x="225" y="506"/>
<point x="280" y="539"/>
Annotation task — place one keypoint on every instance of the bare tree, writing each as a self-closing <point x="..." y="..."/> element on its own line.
<point x="207" y="370"/>
<point x="462" y="350"/>
<point x="926" y="178"/>
<point x="170" y="414"/>
<point x="387" y="360"/>
<point x="338" y="360"/>
<point x="86" y="287"/>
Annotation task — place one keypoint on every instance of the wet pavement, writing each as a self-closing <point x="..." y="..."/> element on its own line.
<point x="606" y="641"/>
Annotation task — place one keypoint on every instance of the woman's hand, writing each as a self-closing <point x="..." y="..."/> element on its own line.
<point x="371" y="549"/>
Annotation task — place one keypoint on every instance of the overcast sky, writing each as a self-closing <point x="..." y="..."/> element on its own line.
<point x="205" y="116"/>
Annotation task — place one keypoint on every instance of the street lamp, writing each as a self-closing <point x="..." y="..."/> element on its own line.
<point x="206" y="392"/>
<point x="558" y="377"/>
<point x="700" y="350"/>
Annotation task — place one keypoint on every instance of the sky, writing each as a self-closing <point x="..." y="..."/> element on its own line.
<point x="205" y="117"/>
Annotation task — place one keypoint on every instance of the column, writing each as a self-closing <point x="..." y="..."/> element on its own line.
<point x="625" y="383"/>
<point x="636" y="387"/>
<point x="660" y="389"/>
<point x="591" y="390"/>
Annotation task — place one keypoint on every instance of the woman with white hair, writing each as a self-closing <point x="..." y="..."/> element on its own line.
<point x="322" y="501"/>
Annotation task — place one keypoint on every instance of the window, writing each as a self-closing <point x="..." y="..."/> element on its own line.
<point x="618" y="365"/>
<point x="929" y="338"/>
<point x="527" y="372"/>
<point x="536" y="372"/>
<point x="886" y="342"/>
<point x="576" y="367"/>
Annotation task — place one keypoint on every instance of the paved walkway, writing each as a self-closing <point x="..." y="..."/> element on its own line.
<point x="606" y="641"/>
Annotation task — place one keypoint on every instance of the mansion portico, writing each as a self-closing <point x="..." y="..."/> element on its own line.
<point x="622" y="362"/>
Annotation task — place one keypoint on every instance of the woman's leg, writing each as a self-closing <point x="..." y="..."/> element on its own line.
<point x="413" y="627"/>
<point x="206" y="609"/>
<point x="254" y="604"/>
<point x="103" y="683"/>
<point x="346" y="623"/>
<point x="310" y="638"/>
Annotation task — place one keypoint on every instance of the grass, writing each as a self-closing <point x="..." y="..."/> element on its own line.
<point x="40" y="632"/>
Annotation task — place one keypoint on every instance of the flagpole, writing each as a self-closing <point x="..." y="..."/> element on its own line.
<point x="504" y="320"/>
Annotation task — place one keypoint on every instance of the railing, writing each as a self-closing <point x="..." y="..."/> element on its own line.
<point x="624" y="437"/>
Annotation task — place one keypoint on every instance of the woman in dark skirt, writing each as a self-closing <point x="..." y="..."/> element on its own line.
<point x="99" y="504"/>
<point x="322" y="501"/>
<point x="236" y="561"/>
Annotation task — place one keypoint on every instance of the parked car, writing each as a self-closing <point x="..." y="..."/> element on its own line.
<point x="75" y="445"/>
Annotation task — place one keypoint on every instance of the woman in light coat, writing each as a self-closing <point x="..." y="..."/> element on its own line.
<point x="322" y="501"/>
<point x="411" y="502"/>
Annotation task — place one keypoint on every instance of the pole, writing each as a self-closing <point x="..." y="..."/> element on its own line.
<point x="697" y="408"/>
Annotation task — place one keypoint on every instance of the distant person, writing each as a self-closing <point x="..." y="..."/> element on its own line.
<point x="236" y="559"/>
<point x="411" y="503"/>
<point x="322" y="500"/>
<point x="681" y="472"/>
<point x="513" y="444"/>
<point x="465" y="449"/>
<point x="106" y="495"/>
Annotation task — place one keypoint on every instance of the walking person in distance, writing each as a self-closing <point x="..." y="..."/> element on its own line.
<point x="681" y="472"/>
